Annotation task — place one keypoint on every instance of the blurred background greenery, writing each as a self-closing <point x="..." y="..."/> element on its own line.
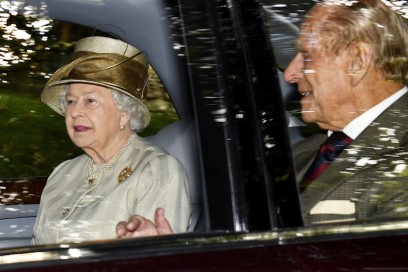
<point x="33" y="138"/>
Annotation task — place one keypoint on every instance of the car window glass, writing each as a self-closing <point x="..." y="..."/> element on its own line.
<point x="282" y="20"/>
<point x="34" y="139"/>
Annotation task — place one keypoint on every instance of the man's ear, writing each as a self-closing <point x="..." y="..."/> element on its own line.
<point x="359" y="63"/>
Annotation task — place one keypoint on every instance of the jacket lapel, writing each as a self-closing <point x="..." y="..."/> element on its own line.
<point x="387" y="133"/>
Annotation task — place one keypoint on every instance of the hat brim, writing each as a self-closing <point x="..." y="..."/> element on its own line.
<point x="53" y="91"/>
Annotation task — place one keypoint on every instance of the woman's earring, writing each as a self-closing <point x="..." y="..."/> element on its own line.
<point x="122" y="126"/>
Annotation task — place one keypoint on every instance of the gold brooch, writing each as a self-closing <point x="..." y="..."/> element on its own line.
<point x="124" y="174"/>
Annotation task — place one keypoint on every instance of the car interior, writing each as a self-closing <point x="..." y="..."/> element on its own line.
<point x="179" y="138"/>
<point x="129" y="22"/>
<point x="222" y="84"/>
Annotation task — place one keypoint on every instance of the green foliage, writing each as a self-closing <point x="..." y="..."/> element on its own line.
<point x="34" y="139"/>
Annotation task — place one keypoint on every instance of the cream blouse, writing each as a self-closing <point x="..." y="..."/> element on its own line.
<point x="71" y="210"/>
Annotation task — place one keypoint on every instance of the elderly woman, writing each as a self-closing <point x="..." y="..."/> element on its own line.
<point x="100" y="93"/>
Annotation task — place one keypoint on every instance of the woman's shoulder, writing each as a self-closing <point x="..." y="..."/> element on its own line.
<point x="143" y="144"/>
<point x="69" y="164"/>
<point x="151" y="151"/>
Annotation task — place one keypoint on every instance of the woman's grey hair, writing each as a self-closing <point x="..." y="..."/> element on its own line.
<point x="123" y="103"/>
<point x="127" y="104"/>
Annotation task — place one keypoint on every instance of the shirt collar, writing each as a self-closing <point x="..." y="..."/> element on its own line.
<point x="359" y="124"/>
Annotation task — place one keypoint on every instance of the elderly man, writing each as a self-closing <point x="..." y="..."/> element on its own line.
<point x="351" y="69"/>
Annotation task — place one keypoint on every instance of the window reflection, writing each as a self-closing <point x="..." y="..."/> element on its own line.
<point x="34" y="139"/>
<point x="374" y="167"/>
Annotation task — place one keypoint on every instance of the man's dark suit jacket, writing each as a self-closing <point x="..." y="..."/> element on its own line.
<point x="369" y="179"/>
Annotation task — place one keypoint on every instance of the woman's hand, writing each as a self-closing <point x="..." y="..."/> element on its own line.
<point x="138" y="226"/>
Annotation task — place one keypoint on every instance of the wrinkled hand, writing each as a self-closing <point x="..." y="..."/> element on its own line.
<point x="138" y="226"/>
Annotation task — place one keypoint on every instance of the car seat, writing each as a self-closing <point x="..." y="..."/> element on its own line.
<point x="179" y="140"/>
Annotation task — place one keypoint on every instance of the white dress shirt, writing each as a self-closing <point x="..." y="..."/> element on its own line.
<point x="359" y="124"/>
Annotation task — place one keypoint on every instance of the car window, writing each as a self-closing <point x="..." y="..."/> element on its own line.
<point x="34" y="139"/>
<point x="231" y="132"/>
<point x="282" y="20"/>
<point x="281" y="23"/>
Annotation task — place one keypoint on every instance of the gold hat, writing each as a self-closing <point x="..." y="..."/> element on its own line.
<point x="106" y="62"/>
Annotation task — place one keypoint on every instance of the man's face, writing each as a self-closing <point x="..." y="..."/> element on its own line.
<point x="322" y="78"/>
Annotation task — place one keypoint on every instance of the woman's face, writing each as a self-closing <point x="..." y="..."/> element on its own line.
<point x="91" y="117"/>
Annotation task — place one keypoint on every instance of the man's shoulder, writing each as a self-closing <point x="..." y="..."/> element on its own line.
<point x="398" y="110"/>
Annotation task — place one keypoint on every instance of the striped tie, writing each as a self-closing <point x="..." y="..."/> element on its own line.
<point x="328" y="152"/>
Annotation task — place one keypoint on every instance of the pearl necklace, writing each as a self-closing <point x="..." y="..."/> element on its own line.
<point x="91" y="177"/>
